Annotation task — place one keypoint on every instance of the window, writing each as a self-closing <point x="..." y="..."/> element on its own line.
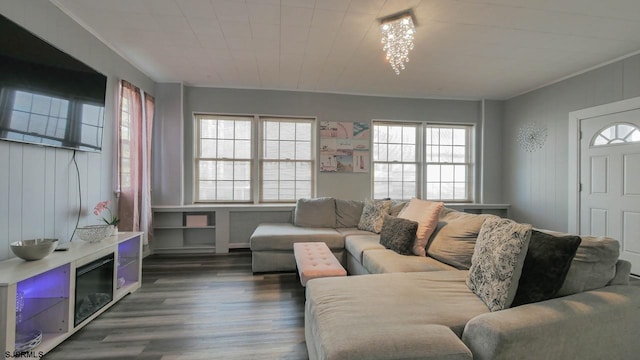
<point x="448" y="163"/>
<point x="395" y="164"/>
<point x="422" y="160"/>
<point x="223" y="158"/>
<point x="126" y="130"/>
<point x="133" y="133"/>
<point x="226" y="149"/>
<point x="287" y="159"/>
<point x="617" y="134"/>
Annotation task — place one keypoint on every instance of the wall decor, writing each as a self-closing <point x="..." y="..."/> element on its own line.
<point x="344" y="147"/>
<point x="531" y="138"/>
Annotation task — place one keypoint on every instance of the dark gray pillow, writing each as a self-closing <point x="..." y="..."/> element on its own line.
<point x="348" y="213"/>
<point x="398" y="234"/>
<point x="545" y="267"/>
<point x="317" y="212"/>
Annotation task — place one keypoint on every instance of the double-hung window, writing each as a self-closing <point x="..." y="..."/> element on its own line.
<point x="226" y="150"/>
<point x="448" y="163"/>
<point x="287" y="159"/>
<point x="395" y="160"/>
<point x="428" y="161"/>
<point x="224" y="158"/>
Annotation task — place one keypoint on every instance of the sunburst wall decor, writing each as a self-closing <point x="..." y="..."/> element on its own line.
<point x="531" y="138"/>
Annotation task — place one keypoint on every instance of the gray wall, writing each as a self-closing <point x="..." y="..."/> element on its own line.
<point x="38" y="186"/>
<point x="326" y="107"/>
<point x="167" y="146"/>
<point x="536" y="183"/>
<point x="491" y="155"/>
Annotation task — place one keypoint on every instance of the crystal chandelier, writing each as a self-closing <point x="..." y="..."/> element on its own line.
<point x="397" y="38"/>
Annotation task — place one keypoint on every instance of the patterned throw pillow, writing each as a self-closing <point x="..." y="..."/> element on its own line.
<point x="373" y="215"/>
<point x="497" y="261"/>
<point x="398" y="234"/>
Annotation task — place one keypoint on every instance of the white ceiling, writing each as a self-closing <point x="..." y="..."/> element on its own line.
<point x="492" y="49"/>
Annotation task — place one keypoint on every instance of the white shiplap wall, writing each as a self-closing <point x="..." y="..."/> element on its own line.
<point x="39" y="185"/>
<point x="40" y="189"/>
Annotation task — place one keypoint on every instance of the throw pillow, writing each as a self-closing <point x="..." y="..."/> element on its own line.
<point x="315" y="213"/>
<point x="396" y="207"/>
<point x="426" y="214"/>
<point x="373" y="215"/>
<point x="454" y="239"/>
<point x="398" y="234"/>
<point x="497" y="261"/>
<point x="545" y="267"/>
<point x="348" y="213"/>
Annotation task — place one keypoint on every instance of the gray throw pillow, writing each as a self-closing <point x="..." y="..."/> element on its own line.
<point x="348" y="213"/>
<point x="454" y="239"/>
<point x="398" y="234"/>
<point x="373" y="215"/>
<point x="496" y="264"/>
<point x="317" y="212"/>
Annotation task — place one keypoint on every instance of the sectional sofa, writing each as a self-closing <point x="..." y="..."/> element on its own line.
<point x="434" y="306"/>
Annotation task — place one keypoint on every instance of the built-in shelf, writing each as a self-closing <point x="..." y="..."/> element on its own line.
<point x="228" y="226"/>
<point x="46" y="291"/>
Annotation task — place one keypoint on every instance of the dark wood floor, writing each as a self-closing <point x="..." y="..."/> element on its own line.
<point x="203" y="307"/>
<point x="199" y="307"/>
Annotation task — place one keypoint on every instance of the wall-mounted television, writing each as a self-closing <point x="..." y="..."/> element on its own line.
<point x="47" y="97"/>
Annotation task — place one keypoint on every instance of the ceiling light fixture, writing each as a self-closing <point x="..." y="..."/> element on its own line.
<point x="397" y="38"/>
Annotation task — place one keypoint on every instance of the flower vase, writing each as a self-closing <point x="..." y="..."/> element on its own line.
<point x="115" y="231"/>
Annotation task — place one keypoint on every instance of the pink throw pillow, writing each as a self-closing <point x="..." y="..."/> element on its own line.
<point x="426" y="214"/>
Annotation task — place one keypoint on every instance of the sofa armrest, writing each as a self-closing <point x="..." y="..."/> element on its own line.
<point x="597" y="324"/>
<point x="623" y="270"/>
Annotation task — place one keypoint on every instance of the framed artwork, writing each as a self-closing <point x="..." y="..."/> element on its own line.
<point x="344" y="147"/>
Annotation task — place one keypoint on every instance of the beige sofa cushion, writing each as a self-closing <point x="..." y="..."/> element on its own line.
<point x="348" y="213"/>
<point x="389" y="316"/>
<point x="281" y="236"/>
<point x="389" y="261"/>
<point x="455" y="237"/>
<point x="356" y="245"/>
<point x="316" y="212"/>
<point x="341" y="310"/>
<point x="593" y="266"/>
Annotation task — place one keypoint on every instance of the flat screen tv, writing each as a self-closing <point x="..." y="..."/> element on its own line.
<point x="46" y="96"/>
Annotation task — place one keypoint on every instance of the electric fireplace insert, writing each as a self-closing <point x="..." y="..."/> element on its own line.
<point x="94" y="287"/>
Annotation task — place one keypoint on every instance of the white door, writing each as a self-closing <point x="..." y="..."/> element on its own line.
<point x="610" y="181"/>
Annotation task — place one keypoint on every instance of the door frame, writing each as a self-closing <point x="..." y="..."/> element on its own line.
<point x="575" y="118"/>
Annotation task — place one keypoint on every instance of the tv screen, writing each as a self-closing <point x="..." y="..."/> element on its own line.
<point x="46" y="96"/>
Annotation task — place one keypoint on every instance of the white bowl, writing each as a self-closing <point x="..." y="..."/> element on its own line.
<point x="94" y="233"/>
<point x="33" y="249"/>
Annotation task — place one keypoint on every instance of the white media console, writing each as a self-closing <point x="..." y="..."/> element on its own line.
<point x="45" y="296"/>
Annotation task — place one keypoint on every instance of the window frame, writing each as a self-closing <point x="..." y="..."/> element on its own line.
<point x="257" y="158"/>
<point x="418" y="154"/>
<point x="469" y="161"/>
<point x="421" y="157"/>
<point x="312" y="121"/>
<point x="198" y="151"/>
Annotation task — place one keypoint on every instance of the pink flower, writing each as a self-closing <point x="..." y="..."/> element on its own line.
<point x="102" y="206"/>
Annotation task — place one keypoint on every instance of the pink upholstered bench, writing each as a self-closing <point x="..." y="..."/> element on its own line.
<point x="315" y="260"/>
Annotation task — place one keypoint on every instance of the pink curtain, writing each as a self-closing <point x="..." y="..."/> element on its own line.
<point x="134" y="126"/>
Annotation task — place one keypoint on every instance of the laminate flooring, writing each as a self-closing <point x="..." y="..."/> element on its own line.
<point x="198" y="307"/>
